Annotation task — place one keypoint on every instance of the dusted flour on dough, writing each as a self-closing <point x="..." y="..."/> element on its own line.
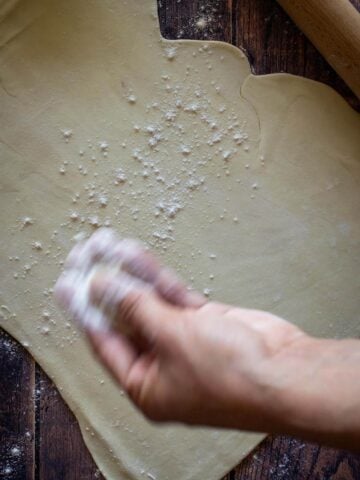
<point x="251" y="180"/>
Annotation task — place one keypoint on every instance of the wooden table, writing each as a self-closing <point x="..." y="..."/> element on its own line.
<point x="39" y="436"/>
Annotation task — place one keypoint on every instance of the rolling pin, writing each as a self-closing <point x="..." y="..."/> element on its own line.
<point x="333" y="26"/>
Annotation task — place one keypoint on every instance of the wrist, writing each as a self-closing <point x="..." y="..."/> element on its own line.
<point x="314" y="390"/>
<point x="288" y="384"/>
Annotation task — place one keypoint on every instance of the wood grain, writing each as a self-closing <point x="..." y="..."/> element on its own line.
<point x="285" y="458"/>
<point x="17" y="412"/>
<point x="62" y="453"/>
<point x="32" y="413"/>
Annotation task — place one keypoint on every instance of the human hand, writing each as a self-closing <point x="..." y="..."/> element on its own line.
<point x="200" y="366"/>
<point x="178" y="357"/>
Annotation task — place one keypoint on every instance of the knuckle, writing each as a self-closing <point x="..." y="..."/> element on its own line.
<point x="151" y="410"/>
<point x="129" y="306"/>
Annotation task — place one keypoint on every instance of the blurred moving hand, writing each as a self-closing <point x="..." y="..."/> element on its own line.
<point x="183" y="359"/>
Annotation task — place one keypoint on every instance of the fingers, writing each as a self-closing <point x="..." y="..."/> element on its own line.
<point x="104" y="246"/>
<point x="174" y="291"/>
<point x="93" y="250"/>
<point x="107" y="293"/>
<point x="216" y="308"/>
<point x="121" y="360"/>
<point x="142" y="264"/>
<point x="107" y="284"/>
<point x="72" y="293"/>
<point x="138" y="312"/>
<point x="115" y="352"/>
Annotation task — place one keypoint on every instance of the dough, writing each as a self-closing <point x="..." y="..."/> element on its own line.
<point x="247" y="186"/>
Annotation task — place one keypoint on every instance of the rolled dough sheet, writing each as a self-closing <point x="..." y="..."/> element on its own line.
<point x="248" y="187"/>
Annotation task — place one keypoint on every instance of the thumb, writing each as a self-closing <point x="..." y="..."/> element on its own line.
<point x="136" y="309"/>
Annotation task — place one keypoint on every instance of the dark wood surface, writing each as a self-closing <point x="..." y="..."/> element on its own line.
<point x="39" y="437"/>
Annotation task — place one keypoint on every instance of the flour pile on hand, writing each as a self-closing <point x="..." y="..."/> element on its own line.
<point x="104" y="254"/>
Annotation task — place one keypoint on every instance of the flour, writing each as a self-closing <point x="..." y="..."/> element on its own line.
<point x="185" y="149"/>
<point x="45" y="330"/>
<point x="104" y="146"/>
<point x="182" y="97"/>
<point x="67" y="134"/>
<point x="15" y="452"/>
<point x="163" y="236"/>
<point x="154" y="140"/>
<point x="132" y="99"/>
<point x="170" y="208"/>
<point x="240" y="137"/>
<point x="103" y="201"/>
<point x="170" y="53"/>
<point x="201" y="23"/>
<point x="192" y="108"/>
<point x="170" y="116"/>
<point x="94" y="221"/>
<point x="226" y="155"/>
<point x="104" y="255"/>
<point x="74" y="216"/>
<point x="37" y="246"/>
<point x="26" y="222"/>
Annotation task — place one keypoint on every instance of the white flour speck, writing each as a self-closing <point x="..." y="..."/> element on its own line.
<point x="45" y="331"/>
<point x="103" y="201"/>
<point x="37" y="246"/>
<point x="67" y="134"/>
<point x="185" y="149"/>
<point x="170" y="116"/>
<point x="94" y="221"/>
<point x="201" y="23"/>
<point x="15" y="451"/>
<point x="192" y="108"/>
<point x="27" y="221"/>
<point x="104" y="146"/>
<point x="240" y="137"/>
<point x="132" y="99"/>
<point x="120" y="177"/>
<point x="227" y="154"/>
<point x="170" y="53"/>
